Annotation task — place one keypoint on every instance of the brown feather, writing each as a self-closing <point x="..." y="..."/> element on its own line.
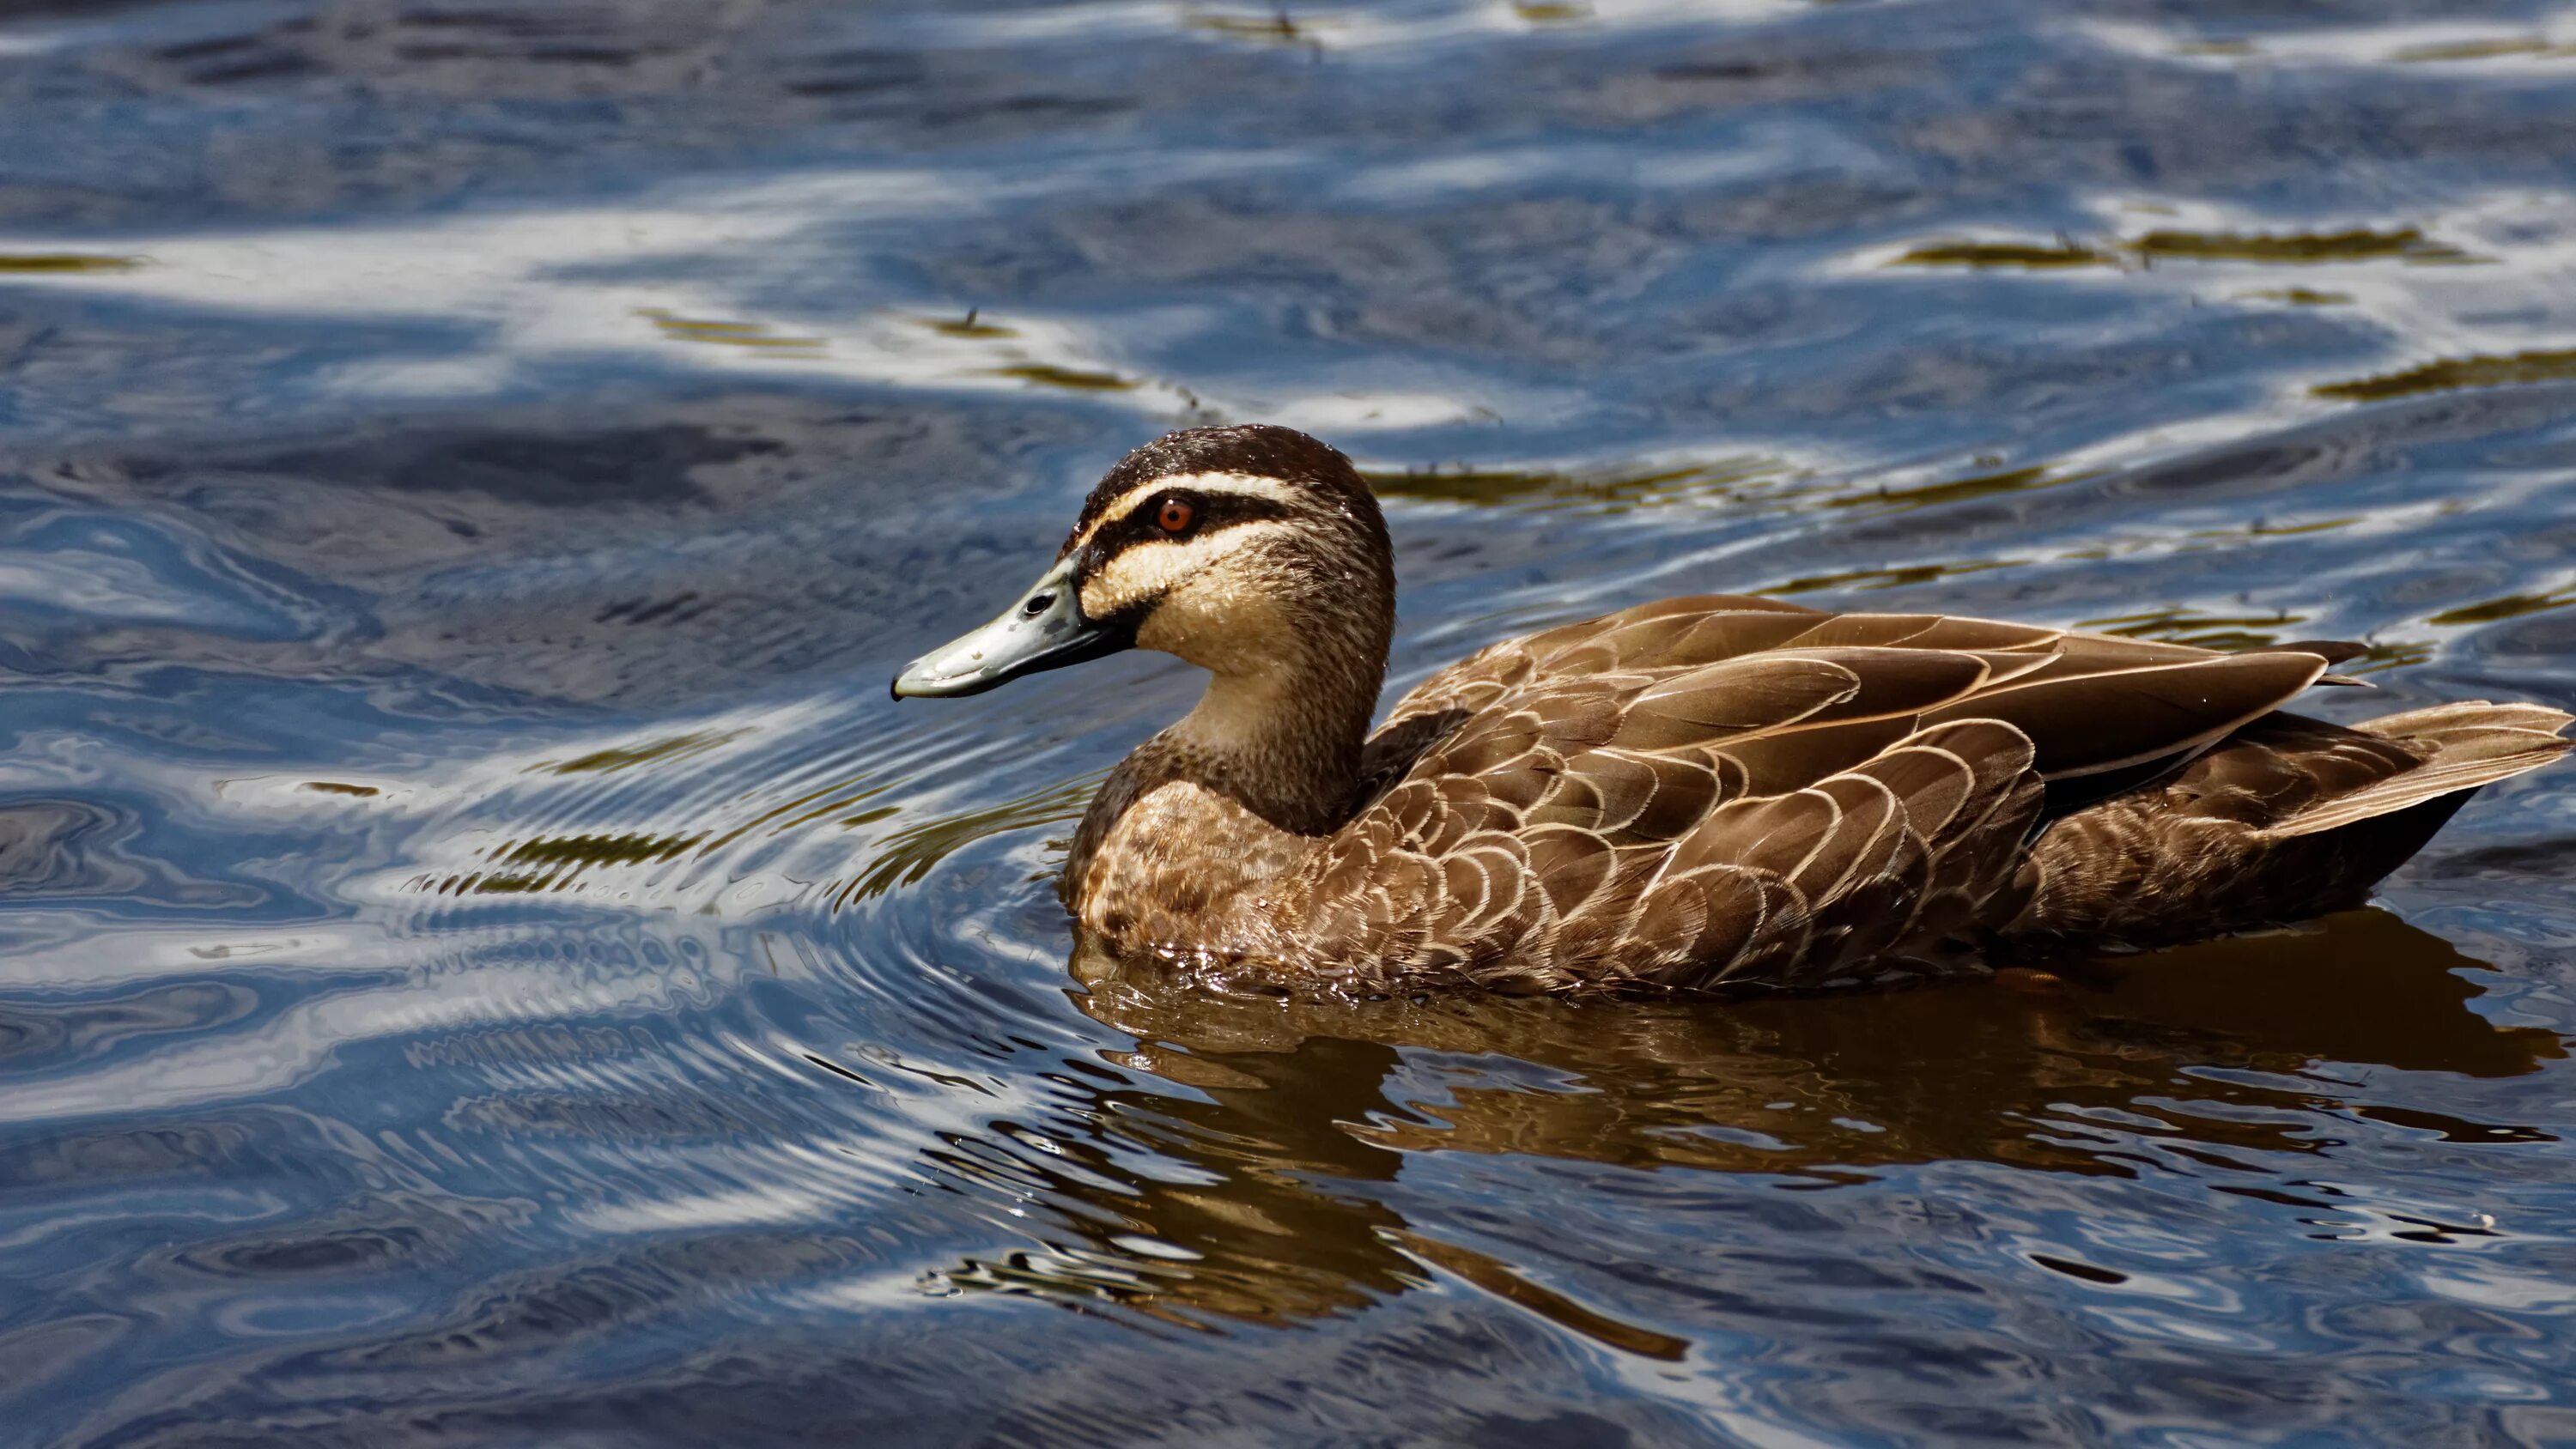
<point x="1736" y="697"/>
<point x="2085" y="723"/>
<point x="1786" y="759"/>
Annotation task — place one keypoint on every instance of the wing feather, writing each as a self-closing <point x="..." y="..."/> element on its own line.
<point x="2084" y="724"/>
<point x="1719" y="789"/>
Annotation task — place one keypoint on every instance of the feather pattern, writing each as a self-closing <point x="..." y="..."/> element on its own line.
<point x="1714" y="791"/>
<point x="1724" y="791"/>
<point x="1698" y="792"/>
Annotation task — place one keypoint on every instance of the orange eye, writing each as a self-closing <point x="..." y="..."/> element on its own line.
<point x="1176" y="515"/>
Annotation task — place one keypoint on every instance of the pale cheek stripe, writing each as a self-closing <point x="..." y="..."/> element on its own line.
<point x="1150" y="568"/>
<point x="1244" y="485"/>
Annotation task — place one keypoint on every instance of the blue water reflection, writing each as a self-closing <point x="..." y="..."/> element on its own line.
<point x="485" y="964"/>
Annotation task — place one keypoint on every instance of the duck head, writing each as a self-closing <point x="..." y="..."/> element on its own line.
<point x="1255" y="552"/>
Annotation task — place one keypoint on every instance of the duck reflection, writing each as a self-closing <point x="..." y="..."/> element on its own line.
<point x="1270" y="1122"/>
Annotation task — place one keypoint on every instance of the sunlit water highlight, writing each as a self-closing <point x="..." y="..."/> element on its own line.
<point x="486" y="964"/>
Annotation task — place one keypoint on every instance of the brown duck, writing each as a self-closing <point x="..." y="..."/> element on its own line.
<point x="1713" y="791"/>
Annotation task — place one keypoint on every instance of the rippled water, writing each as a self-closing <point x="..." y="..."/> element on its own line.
<point x="486" y="964"/>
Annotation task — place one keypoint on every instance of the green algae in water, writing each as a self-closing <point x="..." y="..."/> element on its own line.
<point x="673" y="748"/>
<point x="1960" y="490"/>
<point x="969" y="325"/>
<point x="1741" y="479"/>
<point x="2296" y="248"/>
<point x="908" y="855"/>
<point x="1276" y="28"/>
<point x="2024" y="255"/>
<point x="2406" y="244"/>
<point x="2511" y="606"/>
<point x="2204" y="630"/>
<point x="721" y="333"/>
<point x="2495" y="49"/>
<point x="1887" y="578"/>
<point x="557" y="862"/>
<point x="39" y="263"/>
<point x="1071" y="379"/>
<point x="2456" y="372"/>
<point x="2299" y="297"/>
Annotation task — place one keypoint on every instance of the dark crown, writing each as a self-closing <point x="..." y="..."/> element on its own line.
<point x="1263" y="450"/>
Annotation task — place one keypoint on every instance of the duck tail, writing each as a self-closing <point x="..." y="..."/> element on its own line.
<point x="2463" y="746"/>
<point x="2285" y="819"/>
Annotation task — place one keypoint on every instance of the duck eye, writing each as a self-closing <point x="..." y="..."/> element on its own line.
<point x="1176" y="515"/>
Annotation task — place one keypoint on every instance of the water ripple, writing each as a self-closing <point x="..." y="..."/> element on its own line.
<point x="487" y="964"/>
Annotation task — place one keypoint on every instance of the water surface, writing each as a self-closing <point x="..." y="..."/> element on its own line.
<point x="485" y="963"/>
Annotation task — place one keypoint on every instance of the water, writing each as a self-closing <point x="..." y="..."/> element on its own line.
<point x="485" y="963"/>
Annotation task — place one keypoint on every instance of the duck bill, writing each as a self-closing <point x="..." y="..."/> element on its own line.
<point x="1044" y="630"/>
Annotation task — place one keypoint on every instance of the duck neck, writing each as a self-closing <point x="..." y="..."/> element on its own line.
<point x="1283" y="739"/>
<point x="1233" y="794"/>
<point x="1266" y="766"/>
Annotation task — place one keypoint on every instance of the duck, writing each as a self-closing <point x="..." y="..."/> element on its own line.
<point x="1703" y="794"/>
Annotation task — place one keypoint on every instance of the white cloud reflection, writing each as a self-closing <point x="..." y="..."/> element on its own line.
<point x="701" y="276"/>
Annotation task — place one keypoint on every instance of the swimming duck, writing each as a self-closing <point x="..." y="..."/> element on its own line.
<point x="1716" y="791"/>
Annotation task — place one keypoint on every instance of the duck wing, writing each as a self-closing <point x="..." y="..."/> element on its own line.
<point x="1727" y="790"/>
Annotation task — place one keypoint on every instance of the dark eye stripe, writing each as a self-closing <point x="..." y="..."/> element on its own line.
<point x="1214" y="510"/>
